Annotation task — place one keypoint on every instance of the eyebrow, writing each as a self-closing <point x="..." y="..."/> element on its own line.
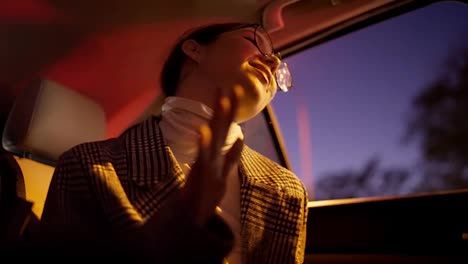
<point x="253" y="31"/>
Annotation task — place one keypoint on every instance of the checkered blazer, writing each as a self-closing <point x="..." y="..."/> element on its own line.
<point x="104" y="187"/>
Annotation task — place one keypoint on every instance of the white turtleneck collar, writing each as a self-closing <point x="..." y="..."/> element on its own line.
<point x="180" y="123"/>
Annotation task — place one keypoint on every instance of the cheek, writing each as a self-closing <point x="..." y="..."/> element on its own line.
<point x="226" y="69"/>
<point x="255" y="100"/>
<point x="223" y="62"/>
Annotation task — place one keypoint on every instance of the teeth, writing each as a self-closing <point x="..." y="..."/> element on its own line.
<point x="263" y="75"/>
<point x="262" y="70"/>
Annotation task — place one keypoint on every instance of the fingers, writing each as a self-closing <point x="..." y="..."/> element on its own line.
<point x="220" y="123"/>
<point x="225" y="111"/>
<point x="232" y="157"/>
<point x="206" y="137"/>
<point x="206" y="183"/>
<point x="236" y="95"/>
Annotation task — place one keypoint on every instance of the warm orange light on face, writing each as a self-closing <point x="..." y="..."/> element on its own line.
<point x="256" y="94"/>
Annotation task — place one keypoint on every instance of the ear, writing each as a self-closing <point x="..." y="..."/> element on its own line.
<point x="192" y="49"/>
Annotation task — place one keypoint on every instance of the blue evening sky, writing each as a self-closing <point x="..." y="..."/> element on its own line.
<point x="357" y="90"/>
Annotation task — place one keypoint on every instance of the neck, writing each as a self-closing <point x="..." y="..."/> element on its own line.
<point x="189" y="88"/>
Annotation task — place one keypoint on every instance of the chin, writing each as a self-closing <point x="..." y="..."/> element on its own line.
<point x="245" y="115"/>
<point x="255" y="100"/>
<point x="248" y="109"/>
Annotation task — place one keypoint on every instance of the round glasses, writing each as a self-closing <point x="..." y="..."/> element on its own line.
<point x="265" y="46"/>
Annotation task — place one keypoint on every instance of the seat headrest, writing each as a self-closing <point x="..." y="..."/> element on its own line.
<point x="48" y="118"/>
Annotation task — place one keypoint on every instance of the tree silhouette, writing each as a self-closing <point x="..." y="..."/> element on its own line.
<point x="439" y="125"/>
<point x="370" y="180"/>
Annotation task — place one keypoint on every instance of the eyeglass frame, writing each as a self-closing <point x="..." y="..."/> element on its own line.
<point x="273" y="52"/>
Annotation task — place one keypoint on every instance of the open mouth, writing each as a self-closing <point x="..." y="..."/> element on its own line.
<point x="261" y="76"/>
<point x="262" y="72"/>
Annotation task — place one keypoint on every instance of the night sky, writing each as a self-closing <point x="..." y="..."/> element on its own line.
<point x="352" y="95"/>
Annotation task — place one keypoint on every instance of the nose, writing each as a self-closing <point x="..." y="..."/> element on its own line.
<point x="272" y="61"/>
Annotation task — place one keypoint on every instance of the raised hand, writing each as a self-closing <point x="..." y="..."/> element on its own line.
<point x="206" y="183"/>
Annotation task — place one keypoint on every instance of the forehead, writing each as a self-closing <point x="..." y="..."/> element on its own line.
<point x="252" y="29"/>
<point x="237" y="31"/>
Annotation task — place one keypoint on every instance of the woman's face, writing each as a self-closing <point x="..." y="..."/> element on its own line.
<point x="234" y="59"/>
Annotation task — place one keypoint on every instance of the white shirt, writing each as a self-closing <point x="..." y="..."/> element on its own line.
<point x="180" y="123"/>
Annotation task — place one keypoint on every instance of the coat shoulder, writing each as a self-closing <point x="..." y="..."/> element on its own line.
<point x="268" y="172"/>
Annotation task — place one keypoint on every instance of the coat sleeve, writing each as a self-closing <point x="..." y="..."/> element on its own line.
<point x="300" y="249"/>
<point x="88" y="212"/>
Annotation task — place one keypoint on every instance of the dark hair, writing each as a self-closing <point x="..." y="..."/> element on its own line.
<point x="170" y="73"/>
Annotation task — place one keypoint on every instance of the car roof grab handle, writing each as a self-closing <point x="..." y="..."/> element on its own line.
<point x="272" y="19"/>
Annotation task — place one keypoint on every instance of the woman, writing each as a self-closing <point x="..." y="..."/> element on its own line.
<point x="181" y="186"/>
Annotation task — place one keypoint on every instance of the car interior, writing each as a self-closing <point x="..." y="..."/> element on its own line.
<point x="108" y="82"/>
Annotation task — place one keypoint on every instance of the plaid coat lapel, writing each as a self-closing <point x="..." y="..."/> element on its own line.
<point x="151" y="167"/>
<point x="273" y="211"/>
<point x="273" y="200"/>
<point x="149" y="157"/>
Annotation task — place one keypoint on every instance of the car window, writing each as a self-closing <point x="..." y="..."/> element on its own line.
<point x="261" y="136"/>
<point x="383" y="110"/>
